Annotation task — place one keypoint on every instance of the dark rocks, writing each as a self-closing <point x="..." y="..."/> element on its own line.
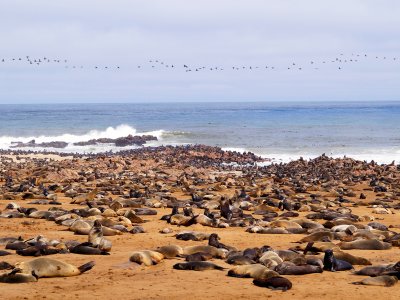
<point x="129" y="140"/>
<point x="32" y="144"/>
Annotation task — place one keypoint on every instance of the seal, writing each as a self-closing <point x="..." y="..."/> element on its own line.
<point x="332" y="264"/>
<point x="39" y="250"/>
<point x="365" y="245"/>
<point x="17" y="277"/>
<point x="318" y="236"/>
<point x="146" y="257"/>
<point x="275" y="283"/>
<point x="95" y="237"/>
<point x="372" y="270"/>
<point x="240" y="260"/>
<point x="197" y="266"/>
<point x="6" y="266"/>
<point x="4" y="253"/>
<point x="287" y="255"/>
<point x="270" y="259"/>
<point x="287" y="268"/>
<point x="215" y="252"/>
<point x="88" y="249"/>
<point x="48" y="267"/>
<point x="18" y="245"/>
<point x="6" y="240"/>
<point x="252" y="253"/>
<point x="192" y="236"/>
<point x="199" y="256"/>
<point x="393" y="270"/>
<point x="383" y="280"/>
<point x="352" y="259"/>
<point x="256" y="271"/>
<point x="170" y="251"/>
<point x="213" y="241"/>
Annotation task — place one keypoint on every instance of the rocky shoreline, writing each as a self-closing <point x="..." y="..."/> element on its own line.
<point x="129" y="140"/>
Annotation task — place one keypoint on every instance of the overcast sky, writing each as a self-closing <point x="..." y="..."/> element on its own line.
<point x="226" y="34"/>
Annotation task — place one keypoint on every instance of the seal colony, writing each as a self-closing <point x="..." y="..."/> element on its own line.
<point x="213" y="220"/>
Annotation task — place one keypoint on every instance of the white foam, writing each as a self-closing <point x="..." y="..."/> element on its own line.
<point x="381" y="156"/>
<point x="110" y="132"/>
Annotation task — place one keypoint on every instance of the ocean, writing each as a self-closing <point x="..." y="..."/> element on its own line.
<point x="279" y="131"/>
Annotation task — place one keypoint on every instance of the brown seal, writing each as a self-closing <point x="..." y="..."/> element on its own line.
<point x="275" y="283"/>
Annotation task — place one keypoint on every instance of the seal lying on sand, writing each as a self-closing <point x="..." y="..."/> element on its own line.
<point x="256" y="271"/>
<point x="287" y="268"/>
<point x="197" y="266"/>
<point x="48" y="267"/>
<point x="365" y="245"/>
<point x="146" y="257"/>
<point x="384" y="280"/>
<point x="372" y="270"/>
<point x="16" y="277"/>
<point x="275" y="283"/>
<point x="170" y="251"/>
<point x="215" y="252"/>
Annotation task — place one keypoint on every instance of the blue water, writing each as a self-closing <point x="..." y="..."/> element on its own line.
<point x="370" y="130"/>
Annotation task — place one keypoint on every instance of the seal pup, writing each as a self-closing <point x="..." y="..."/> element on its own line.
<point x="146" y="257"/>
<point x="332" y="264"/>
<point x="48" y="267"/>
<point x="197" y="266"/>
<point x="5" y="266"/>
<point x="270" y="259"/>
<point x="17" y="277"/>
<point x="383" y="280"/>
<point x="274" y="283"/>
<point x="213" y="241"/>
<point x="170" y="251"/>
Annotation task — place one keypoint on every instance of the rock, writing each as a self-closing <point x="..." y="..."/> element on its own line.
<point x="166" y="230"/>
<point x="32" y="144"/>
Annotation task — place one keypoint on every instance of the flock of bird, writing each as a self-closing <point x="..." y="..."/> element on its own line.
<point x="338" y="63"/>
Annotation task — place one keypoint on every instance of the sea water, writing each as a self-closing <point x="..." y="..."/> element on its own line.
<point x="275" y="130"/>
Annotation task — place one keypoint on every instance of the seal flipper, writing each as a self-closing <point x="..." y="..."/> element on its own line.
<point x="232" y="273"/>
<point x="219" y="268"/>
<point x="34" y="275"/>
<point x="86" y="267"/>
<point x="308" y="247"/>
<point x="15" y="271"/>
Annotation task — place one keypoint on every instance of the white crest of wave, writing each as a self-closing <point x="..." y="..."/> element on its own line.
<point x="110" y="132"/>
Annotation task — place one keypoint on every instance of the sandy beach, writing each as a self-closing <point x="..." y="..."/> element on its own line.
<point x="168" y="177"/>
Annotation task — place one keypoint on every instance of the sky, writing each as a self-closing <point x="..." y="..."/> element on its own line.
<point x="285" y="42"/>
